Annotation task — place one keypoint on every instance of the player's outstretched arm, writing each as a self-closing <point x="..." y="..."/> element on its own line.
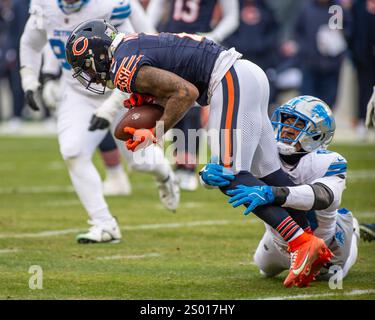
<point x="229" y="22"/>
<point x="172" y="92"/>
<point x="33" y="40"/>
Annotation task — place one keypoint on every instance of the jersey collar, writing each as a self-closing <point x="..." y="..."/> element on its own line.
<point x="116" y="42"/>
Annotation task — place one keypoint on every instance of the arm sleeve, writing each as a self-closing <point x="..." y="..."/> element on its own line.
<point x="33" y="41"/>
<point x="322" y="194"/>
<point x="229" y="22"/>
<point x="139" y="19"/>
<point x="155" y="11"/>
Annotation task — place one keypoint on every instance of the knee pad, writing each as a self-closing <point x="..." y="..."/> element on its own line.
<point x="70" y="151"/>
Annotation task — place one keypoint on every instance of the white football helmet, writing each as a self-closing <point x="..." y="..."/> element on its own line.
<point x="319" y="124"/>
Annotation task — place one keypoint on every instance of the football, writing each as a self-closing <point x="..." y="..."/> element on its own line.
<point x="142" y="117"/>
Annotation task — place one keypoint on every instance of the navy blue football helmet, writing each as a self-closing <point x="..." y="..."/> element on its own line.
<point x="88" y="52"/>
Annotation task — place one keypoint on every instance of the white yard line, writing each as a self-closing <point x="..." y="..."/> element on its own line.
<point x="322" y="295"/>
<point x="43" y="234"/>
<point x="130" y="257"/>
<point x="2" y="251"/>
<point x="354" y="175"/>
<point x="36" y="190"/>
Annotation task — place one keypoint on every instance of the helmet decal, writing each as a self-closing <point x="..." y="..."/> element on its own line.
<point x="79" y="52"/>
<point x="319" y="111"/>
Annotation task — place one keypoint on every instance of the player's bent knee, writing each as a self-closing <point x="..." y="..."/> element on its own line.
<point x="70" y="152"/>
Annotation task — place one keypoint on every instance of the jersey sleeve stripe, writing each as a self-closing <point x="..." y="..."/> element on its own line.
<point x="335" y="172"/>
<point x="121" y="13"/>
<point x="334" y="166"/>
<point x="120" y="16"/>
<point x="121" y="9"/>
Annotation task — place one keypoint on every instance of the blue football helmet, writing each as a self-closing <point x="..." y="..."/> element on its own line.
<point x="317" y="132"/>
<point x="71" y="6"/>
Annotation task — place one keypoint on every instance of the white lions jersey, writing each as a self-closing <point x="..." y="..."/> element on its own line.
<point x="328" y="168"/>
<point x="58" y="26"/>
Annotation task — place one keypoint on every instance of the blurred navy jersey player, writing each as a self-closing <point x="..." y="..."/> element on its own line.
<point x="179" y="69"/>
<point x="193" y="16"/>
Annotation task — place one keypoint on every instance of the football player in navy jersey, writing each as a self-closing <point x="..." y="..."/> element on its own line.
<point x="193" y="16"/>
<point x="177" y="70"/>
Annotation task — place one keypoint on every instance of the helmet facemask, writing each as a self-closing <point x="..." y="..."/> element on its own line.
<point x="93" y="76"/>
<point x="71" y="6"/>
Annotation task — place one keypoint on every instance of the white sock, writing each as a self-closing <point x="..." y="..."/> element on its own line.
<point x="113" y="171"/>
<point x="88" y="186"/>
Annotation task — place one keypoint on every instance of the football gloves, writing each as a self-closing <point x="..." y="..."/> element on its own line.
<point x="98" y="123"/>
<point x="251" y="196"/>
<point x="216" y="175"/>
<point x="34" y="99"/>
<point x="32" y="88"/>
<point x="137" y="99"/>
<point x="146" y="136"/>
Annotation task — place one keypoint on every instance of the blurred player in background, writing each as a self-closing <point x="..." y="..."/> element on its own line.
<point x="116" y="182"/>
<point x="53" y="21"/>
<point x="304" y="127"/>
<point x="368" y="229"/>
<point x="362" y="52"/>
<point x="258" y="23"/>
<point x="13" y="16"/>
<point x="193" y="16"/>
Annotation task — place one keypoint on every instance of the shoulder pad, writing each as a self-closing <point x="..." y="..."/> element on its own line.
<point x="120" y="12"/>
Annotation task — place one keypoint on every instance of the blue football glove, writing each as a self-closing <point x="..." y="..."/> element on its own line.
<point x="253" y="196"/>
<point x="216" y="175"/>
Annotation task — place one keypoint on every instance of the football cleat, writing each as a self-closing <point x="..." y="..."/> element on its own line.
<point x="169" y="192"/>
<point x="187" y="179"/>
<point x="101" y="232"/>
<point x="117" y="185"/>
<point x="307" y="259"/>
<point x="367" y="231"/>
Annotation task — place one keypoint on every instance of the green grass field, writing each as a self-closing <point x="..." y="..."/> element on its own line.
<point x="204" y="251"/>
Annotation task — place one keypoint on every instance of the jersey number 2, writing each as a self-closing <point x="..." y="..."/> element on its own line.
<point x="190" y="13"/>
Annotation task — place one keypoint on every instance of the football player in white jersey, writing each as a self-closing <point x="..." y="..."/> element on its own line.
<point x="52" y="21"/>
<point x="304" y="127"/>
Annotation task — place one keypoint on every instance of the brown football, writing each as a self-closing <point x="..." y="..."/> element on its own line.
<point x="142" y="117"/>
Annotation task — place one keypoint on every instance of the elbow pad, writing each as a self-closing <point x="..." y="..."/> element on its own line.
<point x="323" y="196"/>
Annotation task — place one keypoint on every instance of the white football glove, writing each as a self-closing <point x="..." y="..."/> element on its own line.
<point x="370" y="116"/>
<point x="51" y="94"/>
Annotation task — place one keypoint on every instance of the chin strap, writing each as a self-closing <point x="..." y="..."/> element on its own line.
<point x="286" y="149"/>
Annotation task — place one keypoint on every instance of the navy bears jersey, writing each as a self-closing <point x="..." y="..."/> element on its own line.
<point x="189" y="56"/>
<point x="190" y="16"/>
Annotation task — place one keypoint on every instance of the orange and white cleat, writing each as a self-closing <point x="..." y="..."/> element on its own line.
<point x="308" y="255"/>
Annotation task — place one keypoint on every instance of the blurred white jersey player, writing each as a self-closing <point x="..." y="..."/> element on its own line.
<point x="52" y="21"/>
<point x="320" y="175"/>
